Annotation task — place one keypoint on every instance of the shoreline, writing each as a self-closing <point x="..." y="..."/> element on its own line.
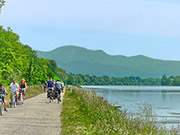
<point x="86" y="113"/>
<point x="163" y="120"/>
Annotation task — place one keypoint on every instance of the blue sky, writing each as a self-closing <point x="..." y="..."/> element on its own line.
<point x="126" y="27"/>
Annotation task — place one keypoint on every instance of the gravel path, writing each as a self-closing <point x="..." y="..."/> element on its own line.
<point x="36" y="117"/>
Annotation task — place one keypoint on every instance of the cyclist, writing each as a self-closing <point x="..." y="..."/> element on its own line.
<point x="3" y="90"/>
<point x="23" y="87"/>
<point x="58" y="87"/>
<point x="14" y="88"/>
<point x="50" y="86"/>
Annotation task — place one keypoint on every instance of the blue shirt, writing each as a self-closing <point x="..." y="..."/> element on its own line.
<point x="50" y="84"/>
<point x="3" y="91"/>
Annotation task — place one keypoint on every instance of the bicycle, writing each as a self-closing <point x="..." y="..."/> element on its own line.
<point x="13" y="101"/>
<point x="57" y="95"/>
<point x="21" y="97"/>
<point x="50" y="94"/>
<point x="44" y="89"/>
<point x="1" y="104"/>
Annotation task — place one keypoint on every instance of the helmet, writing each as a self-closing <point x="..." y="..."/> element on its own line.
<point x="2" y="84"/>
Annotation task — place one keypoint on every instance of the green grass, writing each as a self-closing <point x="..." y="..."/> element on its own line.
<point x="33" y="91"/>
<point x="86" y="113"/>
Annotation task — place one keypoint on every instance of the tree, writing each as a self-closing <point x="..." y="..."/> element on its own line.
<point x="19" y="61"/>
<point x="2" y="3"/>
<point x="168" y="82"/>
<point x="163" y="80"/>
<point x="70" y="80"/>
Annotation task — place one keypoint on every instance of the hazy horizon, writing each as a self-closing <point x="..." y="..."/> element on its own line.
<point x="129" y="28"/>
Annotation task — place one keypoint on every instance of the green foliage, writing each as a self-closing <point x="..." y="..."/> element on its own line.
<point x="62" y="75"/>
<point x="80" y="79"/>
<point x="170" y="81"/>
<point x="105" y="80"/>
<point x="163" y="80"/>
<point x="2" y="3"/>
<point x="20" y="61"/>
<point x="71" y="80"/>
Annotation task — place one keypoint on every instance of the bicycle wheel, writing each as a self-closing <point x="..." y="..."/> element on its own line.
<point x="1" y="110"/>
<point x="15" y="102"/>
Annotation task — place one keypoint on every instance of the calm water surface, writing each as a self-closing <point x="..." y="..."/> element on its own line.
<point x="164" y="100"/>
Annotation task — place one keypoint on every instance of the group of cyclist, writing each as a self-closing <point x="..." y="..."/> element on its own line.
<point x="14" y="88"/>
<point x="57" y="86"/>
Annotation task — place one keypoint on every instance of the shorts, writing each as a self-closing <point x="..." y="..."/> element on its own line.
<point x="23" y="89"/>
<point x="59" y="91"/>
<point x="14" y="91"/>
<point x="3" y="98"/>
<point x="50" y="88"/>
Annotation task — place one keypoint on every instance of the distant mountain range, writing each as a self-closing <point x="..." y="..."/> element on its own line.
<point x="81" y="60"/>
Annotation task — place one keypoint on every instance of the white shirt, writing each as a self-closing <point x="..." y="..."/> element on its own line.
<point x="14" y="87"/>
<point x="62" y="84"/>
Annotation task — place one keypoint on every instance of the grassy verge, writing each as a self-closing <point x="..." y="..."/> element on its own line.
<point x="33" y="91"/>
<point x="86" y="113"/>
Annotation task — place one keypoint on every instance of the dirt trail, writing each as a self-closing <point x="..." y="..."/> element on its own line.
<point x="36" y="117"/>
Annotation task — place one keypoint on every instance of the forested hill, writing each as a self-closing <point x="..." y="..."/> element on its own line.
<point x="19" y="61"/>
<point x="81" y="60"/>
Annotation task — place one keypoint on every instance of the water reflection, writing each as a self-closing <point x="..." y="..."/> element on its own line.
<point x="164" y="100"/>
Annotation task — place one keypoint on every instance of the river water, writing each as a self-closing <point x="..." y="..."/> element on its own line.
<point x="165" y="101"/>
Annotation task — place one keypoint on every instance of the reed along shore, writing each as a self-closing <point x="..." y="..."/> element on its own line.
<point x="84" y="112"/>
